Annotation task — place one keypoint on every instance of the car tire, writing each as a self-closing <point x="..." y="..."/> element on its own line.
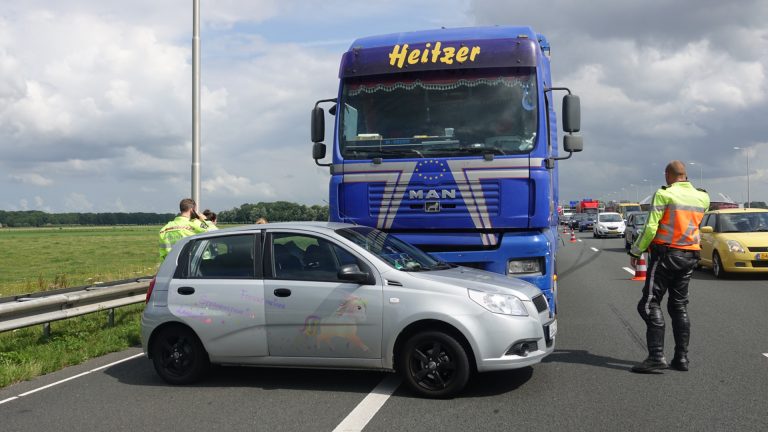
<point x="717" y="266"/>
<point x="178" y="355"/>
<point x="434" y="364"/>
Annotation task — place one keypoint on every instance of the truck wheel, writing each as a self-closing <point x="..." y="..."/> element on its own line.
<point x="434" y="364"/>
<point x="178" y="355"/>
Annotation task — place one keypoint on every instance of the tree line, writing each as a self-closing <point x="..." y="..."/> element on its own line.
<point x="247" y="213"/>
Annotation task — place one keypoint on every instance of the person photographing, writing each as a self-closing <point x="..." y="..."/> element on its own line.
<point x="187" y="223"/>
<point x="671" y="234"/>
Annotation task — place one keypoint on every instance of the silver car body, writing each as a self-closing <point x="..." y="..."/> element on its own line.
<point x="339" y="324"/>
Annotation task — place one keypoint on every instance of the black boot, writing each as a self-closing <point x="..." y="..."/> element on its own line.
<point x="681" y="329"/>
<point x="655" y="360"/>
<point x="680" y="362"/>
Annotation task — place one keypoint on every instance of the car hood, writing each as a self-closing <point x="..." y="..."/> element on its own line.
<point x="480" y="280"/>
<point x="748" y="239"/>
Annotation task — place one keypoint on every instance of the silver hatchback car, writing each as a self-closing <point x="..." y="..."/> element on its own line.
<point x="339" y="296"/>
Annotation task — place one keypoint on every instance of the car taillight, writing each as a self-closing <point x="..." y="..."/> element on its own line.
<point x="149" y="291"/>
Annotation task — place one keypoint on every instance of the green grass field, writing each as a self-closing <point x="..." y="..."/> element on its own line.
<point x="38" y="259"/>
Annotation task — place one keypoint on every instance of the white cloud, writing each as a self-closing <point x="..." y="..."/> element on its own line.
<point x="31" y="179"/>
<point x="232" y="185"/>
<point x="77" y="202"/>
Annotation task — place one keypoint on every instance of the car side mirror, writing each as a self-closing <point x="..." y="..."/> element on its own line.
<point x="707" y="230"/>
<point x="352" y="273"/>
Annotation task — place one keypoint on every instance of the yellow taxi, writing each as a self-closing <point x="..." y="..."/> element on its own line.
<point x="735" y="240"/>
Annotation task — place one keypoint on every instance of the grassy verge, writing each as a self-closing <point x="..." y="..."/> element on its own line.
<point x="46" y="258"/>
<point x="25" y="353"/>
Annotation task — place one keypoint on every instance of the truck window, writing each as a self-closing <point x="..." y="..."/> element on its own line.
<point x="439" y="113"/>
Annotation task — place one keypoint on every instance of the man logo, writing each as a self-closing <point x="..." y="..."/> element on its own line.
<point x="432" y="194"/>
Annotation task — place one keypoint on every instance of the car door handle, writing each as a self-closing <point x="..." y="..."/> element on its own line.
<point x="282" y="292"/>
<point x="185" y="290"/>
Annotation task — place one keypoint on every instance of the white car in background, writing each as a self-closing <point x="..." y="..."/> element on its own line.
<point x="608" y="224"/>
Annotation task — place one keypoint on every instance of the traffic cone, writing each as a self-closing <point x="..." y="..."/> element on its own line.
<point x="641" y="268"/>
<point x="573" y="236"/>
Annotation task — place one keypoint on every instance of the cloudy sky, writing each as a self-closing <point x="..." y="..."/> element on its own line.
<point x="95" y="95"/>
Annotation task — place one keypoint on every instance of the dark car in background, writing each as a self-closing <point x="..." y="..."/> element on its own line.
<point x="635" y="225"/>
<point x="575" y="219"/>
<point x="587" y="223"/>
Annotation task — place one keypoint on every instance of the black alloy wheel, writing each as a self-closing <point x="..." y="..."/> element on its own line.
<point x="434" y="364"/>
<point x="179" y="356"/>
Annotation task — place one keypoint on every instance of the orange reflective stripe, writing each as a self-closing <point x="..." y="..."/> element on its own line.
<point x="679" y="227"/>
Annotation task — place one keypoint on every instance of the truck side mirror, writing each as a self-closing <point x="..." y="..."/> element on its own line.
<point x="571" y="113"/>
<point x="573" y="143"/>
<point x="318" y="150"/>
<point x="318" y="125"/>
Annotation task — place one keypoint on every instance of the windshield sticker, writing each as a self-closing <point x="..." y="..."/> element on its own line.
<point x="437" y="54"/>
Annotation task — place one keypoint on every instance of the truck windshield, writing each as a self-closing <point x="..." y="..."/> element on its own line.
<point x="439" y="113"/>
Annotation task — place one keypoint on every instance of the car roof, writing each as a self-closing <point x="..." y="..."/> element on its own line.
<point x="308" y="225"/>
<point x="610" y="213"/>
<point x="738" y="210"/>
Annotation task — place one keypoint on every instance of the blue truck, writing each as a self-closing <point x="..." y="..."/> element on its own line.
<point x="448" y="139"/>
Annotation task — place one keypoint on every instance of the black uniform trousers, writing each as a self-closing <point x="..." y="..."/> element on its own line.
<point x="669" y="270"/>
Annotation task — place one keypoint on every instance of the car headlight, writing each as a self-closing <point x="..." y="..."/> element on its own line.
<point x="499" y="303"/>
<point x="734" y="246"/>
<point x="523" y="266"/>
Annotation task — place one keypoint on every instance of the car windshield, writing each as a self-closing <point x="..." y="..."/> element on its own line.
<point x="439" y="114"/>
<point x="744" y="222"/>
<point x="640" y="219"/>
<point x="393" y="251"/>
<point x="608" y="217"/>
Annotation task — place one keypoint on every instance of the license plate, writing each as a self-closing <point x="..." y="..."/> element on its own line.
<point x="762" y="256"/>
<point x="552" y="329"/>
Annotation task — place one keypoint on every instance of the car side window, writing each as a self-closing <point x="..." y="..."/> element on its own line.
<point x="306" y="257"/>
<point x="711" y="221"/>
<point x="226" y="257"/>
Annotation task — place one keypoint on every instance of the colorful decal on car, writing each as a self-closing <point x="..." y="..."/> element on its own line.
<point x="341" y="324"/>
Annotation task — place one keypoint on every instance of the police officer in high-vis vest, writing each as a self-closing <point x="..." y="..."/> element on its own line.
<point x="187" y="223"/>
<point x="671" y="235"/>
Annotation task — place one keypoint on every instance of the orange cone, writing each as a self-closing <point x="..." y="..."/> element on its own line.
<point x="573" y="236"/>
<point x="641" y="268"/>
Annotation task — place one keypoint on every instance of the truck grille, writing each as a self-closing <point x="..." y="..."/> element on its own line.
<point x="448" y="206"/>
<point x="540" y="302"/>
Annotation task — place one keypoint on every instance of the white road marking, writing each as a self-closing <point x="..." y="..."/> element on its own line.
<point x="765" y="354"/>
<point x="579" y="240"/>
<point x="594" y="249"/>
<point x="632" y="272"/>
<point x="70" y="378"/>
<point x="369" y="406"/>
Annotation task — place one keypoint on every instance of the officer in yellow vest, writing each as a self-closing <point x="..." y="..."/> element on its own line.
<point x="672" y="234"/>
<point x="187" y="223"/>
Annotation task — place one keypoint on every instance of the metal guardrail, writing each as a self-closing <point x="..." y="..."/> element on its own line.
<point x="29" y="311"/>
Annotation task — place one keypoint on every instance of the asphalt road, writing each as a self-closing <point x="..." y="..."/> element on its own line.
<point x="584" y="386"/>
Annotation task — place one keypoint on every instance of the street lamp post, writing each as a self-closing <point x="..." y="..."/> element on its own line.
<point x="701" y="182"/>
<point x="746" y="152"/>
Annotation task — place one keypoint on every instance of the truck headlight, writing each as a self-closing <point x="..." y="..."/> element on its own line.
<point x="524" y="266"/>
<point x="735" y="246"/>
<point x="499" y="303"/>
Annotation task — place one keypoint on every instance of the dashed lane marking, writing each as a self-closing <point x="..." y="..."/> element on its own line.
<point x="595" y="249"/>
<point x="632" y="272"/>
<point x="370" y="405"/>
<point x="765" y="354"/>
<point x="69" y="379"/>
<point x="579" y="240"/>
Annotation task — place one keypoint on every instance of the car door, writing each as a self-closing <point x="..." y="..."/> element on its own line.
<point x="707" y="239"/>
<point x="311" y="312"/>
<point x="218" y="291"/>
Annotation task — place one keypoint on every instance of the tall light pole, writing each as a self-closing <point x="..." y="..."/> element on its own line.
<point x="746" y="152"/>
<point x="701" y="182"/>
<point x="649" y="187"/>
<point x="196" y="101"/>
